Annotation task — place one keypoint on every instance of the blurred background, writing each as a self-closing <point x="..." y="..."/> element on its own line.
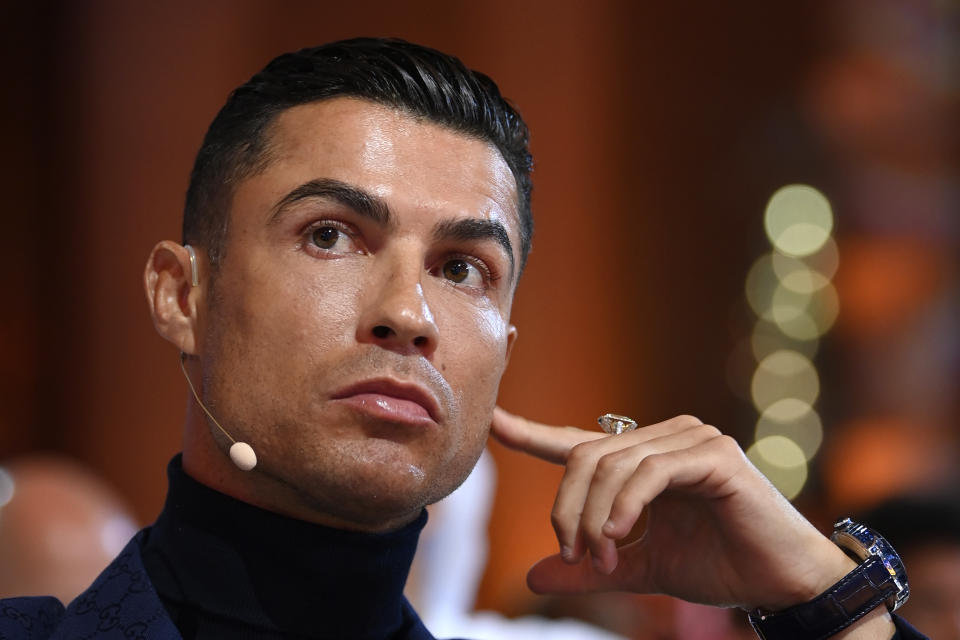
<point x="747" y="211"/>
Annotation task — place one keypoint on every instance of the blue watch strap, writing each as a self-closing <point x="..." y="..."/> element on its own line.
<point x="858" y="593"/>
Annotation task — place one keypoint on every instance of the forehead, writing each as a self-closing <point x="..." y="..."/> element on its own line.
<point x="406" y="160"/>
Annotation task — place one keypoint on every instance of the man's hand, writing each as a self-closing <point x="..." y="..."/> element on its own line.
<point x="716" y="531"/>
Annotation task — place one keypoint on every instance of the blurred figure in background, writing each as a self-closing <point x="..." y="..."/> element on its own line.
<point x="925" y="530"/>
<point x="60" y="526"/>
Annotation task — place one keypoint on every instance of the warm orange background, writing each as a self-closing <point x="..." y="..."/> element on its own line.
<point x="652" y="169"/>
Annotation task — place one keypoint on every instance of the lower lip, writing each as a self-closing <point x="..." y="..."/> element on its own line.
<point x="389" y="408"/>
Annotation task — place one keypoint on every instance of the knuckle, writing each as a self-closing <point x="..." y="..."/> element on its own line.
<point x="652" y="464"/>
<point x="710" y="431"/>
<point x="727" y="445"/>
<point x="608" y="465"/>
<point x="687" y="421"/>
<point x="580" y="454"/>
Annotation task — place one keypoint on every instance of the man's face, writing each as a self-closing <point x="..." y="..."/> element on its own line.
<point x="358" y="327"/>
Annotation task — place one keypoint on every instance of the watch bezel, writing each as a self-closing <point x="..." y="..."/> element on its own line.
<point x="863" y="542"/>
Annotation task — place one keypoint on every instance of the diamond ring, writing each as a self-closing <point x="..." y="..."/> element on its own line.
<point x="615" y="425"/>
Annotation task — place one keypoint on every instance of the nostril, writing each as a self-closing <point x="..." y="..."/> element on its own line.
<point x="419" y="341"/>
<point x="380" y="331"/>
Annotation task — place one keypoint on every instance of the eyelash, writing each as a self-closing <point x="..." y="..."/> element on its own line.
<point x="489" y="275"/>
<point x="344" y="228"/>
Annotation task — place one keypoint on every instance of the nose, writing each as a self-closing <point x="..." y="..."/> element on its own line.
<point x="396" y="315"/>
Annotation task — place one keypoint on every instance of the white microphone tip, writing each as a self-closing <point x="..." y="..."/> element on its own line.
<point x="243" y="456"/>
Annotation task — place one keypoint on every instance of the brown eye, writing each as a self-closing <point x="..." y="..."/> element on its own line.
<point x="325" y="237"/>
<point x="456" y="270"/>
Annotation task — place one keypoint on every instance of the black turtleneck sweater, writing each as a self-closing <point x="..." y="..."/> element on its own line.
<point x="226" y="569"/>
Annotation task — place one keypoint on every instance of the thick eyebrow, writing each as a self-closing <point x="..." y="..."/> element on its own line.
<point x="348" y="195"/>
<point x="369" y="205"/>
<point x="465" y="229"/>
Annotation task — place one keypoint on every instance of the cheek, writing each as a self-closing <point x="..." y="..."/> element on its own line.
<point x="303" y="312"/>
<point x="475" y="357"/>
<point x="274" y="336"/>
<point x="492" y="324"/>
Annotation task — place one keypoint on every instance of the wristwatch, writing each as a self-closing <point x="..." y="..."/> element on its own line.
<point x="879" y="578"/>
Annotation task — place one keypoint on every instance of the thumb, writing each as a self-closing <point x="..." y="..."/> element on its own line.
<point x="554" y="576"/>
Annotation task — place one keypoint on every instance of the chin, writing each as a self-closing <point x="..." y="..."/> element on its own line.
<point x="379" y="494"/>
<point x="371" y="508"/>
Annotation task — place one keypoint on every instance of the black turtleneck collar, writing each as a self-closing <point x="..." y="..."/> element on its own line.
<point x="222" y="565"/>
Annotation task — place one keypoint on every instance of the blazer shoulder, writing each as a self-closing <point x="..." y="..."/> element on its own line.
<point x="120" y="605"/>
<point x="29" y="618"/>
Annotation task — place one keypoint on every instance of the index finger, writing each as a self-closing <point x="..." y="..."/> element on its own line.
<point x="545" y="442"/>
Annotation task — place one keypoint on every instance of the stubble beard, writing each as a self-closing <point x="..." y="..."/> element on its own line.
<point x="359" y="475"/>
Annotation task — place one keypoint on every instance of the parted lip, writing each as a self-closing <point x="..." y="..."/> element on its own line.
<point x="396" y="389"/>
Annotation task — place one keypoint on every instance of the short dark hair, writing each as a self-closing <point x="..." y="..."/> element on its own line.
<point x="415" y="79"/>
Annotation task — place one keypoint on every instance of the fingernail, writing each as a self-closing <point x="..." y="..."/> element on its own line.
<point x="566" y="553"/>
<point x="609" y="526"/>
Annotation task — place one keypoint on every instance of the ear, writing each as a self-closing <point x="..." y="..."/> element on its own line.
<point x="511" y="338"/>
<point x="172" y="299"/>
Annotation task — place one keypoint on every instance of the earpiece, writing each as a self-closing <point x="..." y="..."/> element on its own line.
<point x="241" y="453"/>
<point x="194" y="271"/>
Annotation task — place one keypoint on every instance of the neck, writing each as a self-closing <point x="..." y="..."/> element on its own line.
<point x="232" y="559"/>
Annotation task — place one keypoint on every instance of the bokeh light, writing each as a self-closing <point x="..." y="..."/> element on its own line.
<point x="784" y="374"/>
<point x="796" y="275"/>
<point x="795" y="419"/>
<point x="805" y="275"/>
<point x="826" y="260"/>
<point x="798" y="220"/>
<point x="780" y="451"/>
<point x="791" y="292"/>
<point x="761" y="283"/>
<point x="804" y="316"/>
<point x="767" y="338"/>
<point x="783" y="463"/>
